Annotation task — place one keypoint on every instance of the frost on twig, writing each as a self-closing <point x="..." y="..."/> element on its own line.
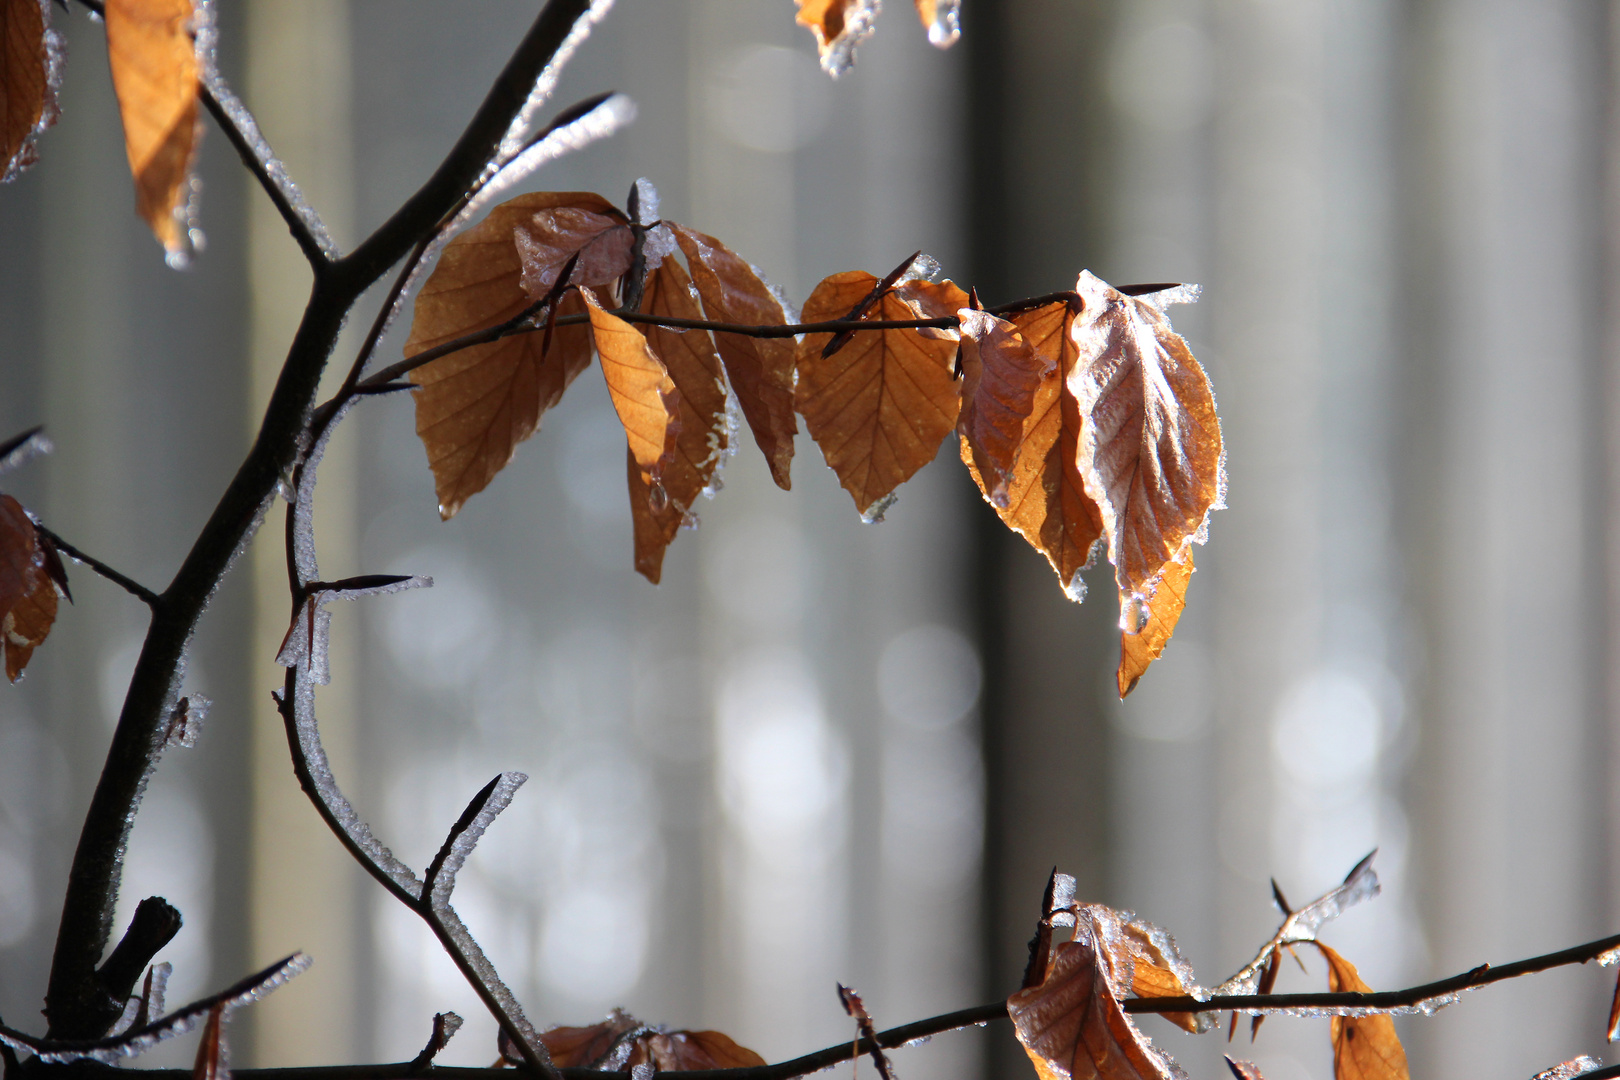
<point x="140" y="1039"/>
<point x="464" y="836"/>
<point x="445" y="1026"/>
<point x="24" y="447"/>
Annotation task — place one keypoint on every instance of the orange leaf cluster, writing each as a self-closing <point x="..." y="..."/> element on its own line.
<point x="29" y="568"/>
<point x="1071" y="1022"/>
<point x="153" y="55"/>
<point x="840" y="25"/>
<point x="1085" y="420"/>
<point x="622" y="1042"/>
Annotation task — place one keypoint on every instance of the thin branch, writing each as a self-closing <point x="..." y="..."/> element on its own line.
<point x="123" y="581"/>
<point x="1383" y="1001"/>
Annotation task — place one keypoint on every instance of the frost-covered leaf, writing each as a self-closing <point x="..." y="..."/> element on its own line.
<point x="1072" y="1026"/>
<point x="1570" y="1069"/>
<point x="683" y="1051"/>
<point x="942" y="20"/>
<point x="1364" y="1047"/>
<point x="1138" y="650"/>
<point x="880" y="406"/>
<point x="27" y="98"/>
<point x="1244" y="1070"/>
<point x="703" y="441"/>
<point x="621" y="1042"/>
<point x="28" y="595"/>
<point x="1157" y="968"/>
<point x="639" y="385"/>
<point x="1150" y="450"/>
<point x="760" y="369"/>
<point x="474" y="406"/>
<point x="151" y="49"/>
<point x="1047" y="502"/>
<point x="548" y="238"/>
<point x="839" y="26"/>
<point x="1001" y="374"/>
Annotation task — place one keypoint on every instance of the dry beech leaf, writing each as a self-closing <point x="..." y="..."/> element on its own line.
<point x="28" y="596"/>
<point x="1001" y="373"/>
<point x="1244" y="1070"/>
<point x="760" y="369"/>
<point x="880" y="406"/>
<point x="1153" y="973"/>
<point x="549" y="237"/>
<point x="681" y="1051"/>
<point x="583" y="1047"/>
<point x="210" y="1063"/>
<point x="474" y="406"/>
<point x="1072" y="1026"/>
<point x="27" y="102"/>
<point x="622" y="1042"/>
<point x="154" y="73"/>
<point x="1150" y="451"/>
<point x="694" y="368"/>
<point x="934" y="300"/>
<point x="1364" y="1047"/>
<point x="942" y="20"/>
<point x="839" y="26"/>
<point x="1138" y="650"/>
<point x="642" y="392"/>
<point x="1047" y="502"/>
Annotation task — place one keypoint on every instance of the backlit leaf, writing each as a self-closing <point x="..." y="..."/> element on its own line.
<point x="1072" y="1026"/>
<point x="1138" y="650"/>
<point x="1364" y="1047"/>
<point x="622" y="1042"/>
<point x="27" y="101"/>
<point x="28" y="596"/>
<point x="1047" y="502"/>
<point x="760" y="369"/>
<point x="941" y="18"/>
<point x="694" y="368"/>
<point x="474" y="406"/>
<point x="880" y="406"/>
<point x="153" y="57"/>
<point x="1001" y="373"/>
<point x="839" y="26"/>
<point x="1150" y="451"/>
<point x="681" y="1051"/>
<point x="1157" y="968"/>
<point x="551" y="236"/>
<point x="642" y="392"/>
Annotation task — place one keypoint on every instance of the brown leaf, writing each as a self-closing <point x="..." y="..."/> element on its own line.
<point x="643" y="394"/>
<point x="1244" y="1070"/>
<point x="940" y="19"/>
<point x="27" y="102"/>
<point x="1364" y="1047"/>
<point x="760" y="369"/>
<point x="880" y="406"/>
<point x="474" y="406"/>
<point x="694" y="368"/>
<point x="1150" y="450"/>
<point x="681" y="1051"/>
<point x="210" y="1062"/>
<point x="153" y="57"/>
<point x="1047" y="502"/>
<point x="934" y="300"/>
<point x="1153" y="973"/>
<point x="1072" y="1026"/>
<point x="584" y="1047"/>
<point x="1000" y="376"/>
<point x="839" y="26"/>
<point x="28" y="596"/>
<point x="1138" y="650"/>
<point x="551" y="236"/>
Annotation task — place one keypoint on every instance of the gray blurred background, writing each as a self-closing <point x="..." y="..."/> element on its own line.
<point x="829" y="751"/>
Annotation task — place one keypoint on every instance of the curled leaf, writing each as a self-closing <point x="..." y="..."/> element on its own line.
<point x="1364" y="1047"/>
<point x="703" y="441"/>
<point x="1046" y="499"/>
<point x="621" y="1042"/>
<point x="1151" y="449"/>
<point x="474" y="406"/>
<point x="1001" y="374"/>
<point x="27" y="98"/>
<point x="153" y="56"/>
<point x="643" y="394"/>
<point x="760" y="369"/>
<point x="880" y="406"/>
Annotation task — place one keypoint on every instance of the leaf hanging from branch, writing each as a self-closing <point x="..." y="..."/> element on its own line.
<point x="839" y="26"/>
<point x="1138" y="650"/>
<point x="28" y="595"/>
<point x="474" y="406"/>
<point x="1001" y="374"/>
<point x="1150" y="451"/>
<point x="1046" y="499"/>
<point x="27" y="98"/>
<point x="621" y="1042"/>
<point x="880" y="406"/>
<point x="1364" y="1047"/>
<point x="643" y="394"/>
<point x="703" y="441"/>
<point x="153" y="56"/>
<point x="760" y="369"/>
<point x="942" y="20"/>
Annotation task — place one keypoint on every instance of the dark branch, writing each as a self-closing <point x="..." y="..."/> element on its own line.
<point x="123" y="581"/>
<point x="153" y="926"/>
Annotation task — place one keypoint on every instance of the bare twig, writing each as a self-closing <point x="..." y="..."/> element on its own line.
<point x="123" y="581"/>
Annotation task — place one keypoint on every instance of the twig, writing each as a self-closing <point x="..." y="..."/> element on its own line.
<point x="123" y="581"/>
